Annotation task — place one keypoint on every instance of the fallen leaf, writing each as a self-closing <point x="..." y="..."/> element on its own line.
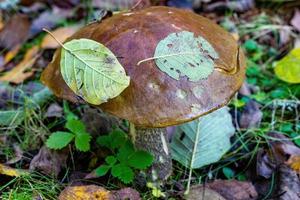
<point x="115" y="5"/>
<point x="11" y="54"/>
<point x="54" y="110"/>
<point x="88" y="192"/>
<point x="15" y="31"/>
<point x="1" y="21"/>
<point x="126" y="194"/>
<point x="288" y="184"/>
<point x="9" y="171"/>
<point x="92" y="71"/>
<point x="203" y="193"/>
<point x="18" y="155"/>
<point x="294" y="163"/>
<point x="251" y="115"/>
<point x="64" y="4"/>
<point x="288" y="68"/>
<point x="295" y="21"/>
<point x="19" y="73"/>
<point x="49" y="19"/>
<point x="61" y="34"/>
<point x="49" y="161"/>
<point x="233" y="189"/>
<point x="265" y="166"/>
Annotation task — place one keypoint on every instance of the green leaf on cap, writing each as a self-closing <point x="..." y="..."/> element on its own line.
<point x="182" y="54"/>
<point x="92" y="71"/>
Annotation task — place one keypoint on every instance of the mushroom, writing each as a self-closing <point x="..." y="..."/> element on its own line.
<point x="154" y="100"/>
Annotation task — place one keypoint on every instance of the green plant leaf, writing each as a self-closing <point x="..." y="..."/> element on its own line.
<point x="228" y="172"/>
<point x="104" y="141"/>
<point x="183" y="54"/>
<point x="118" y="138"/>
<point x="288" y="68"/>
<point x="111" y="160"/>
<point x="75" y="125"/>
<point x="82" y="141"/>
<point x="102" y="170"/>
<point x="140" y="160"/>
<point x="92" y="71"/>
<point x="125" y="152"/>
<point x="203" y="141"/>
<point x="59" y="140"/>
<point x="123" y="172"/>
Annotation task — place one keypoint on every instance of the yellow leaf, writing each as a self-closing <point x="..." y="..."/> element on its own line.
<point x="61" y="34"/>
<point x="11" y="54"/>
<point x="8" y="171"/>
<point x="294" y="163"/>
<point x="19" y="73"/>
<point x="288" y="68"/>
<point x="87" y="192"/>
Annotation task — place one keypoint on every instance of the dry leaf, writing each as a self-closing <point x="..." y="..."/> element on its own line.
<point x="288" y="184"/>
<point x="11" y="54"/>
<point x="15" y="31"/>
<point x="1" y="21"/>
<point x="251" y="115"/>
<point x="61" y="34"/>
<point x="9" y="171"/>
<point x="295" y="22"/>
<point x="294" y="163"/>
<point x="233" y="189"/>
<point x="19" y="73"/>
<point x="49" y="161"/>
<point x="88" y="192"/>
<point x="200" y="193"/>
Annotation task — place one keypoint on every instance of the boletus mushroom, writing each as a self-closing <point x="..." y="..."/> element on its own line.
<point x="181" y="66"/>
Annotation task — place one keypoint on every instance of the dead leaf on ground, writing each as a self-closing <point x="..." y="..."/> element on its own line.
<point x="15" y="31"/>
<point x="121" y="4"/>
<point x="251" y="115"/>
<point x="54" y="110"/>
<point x="49" y="19"/>
<point x="233" y="189"/>
<point x="61" y="34"/>
<point x="18" y="154"/>
<point x="289" y="184"/>
<point x="294" y="163"/>
<point x="226" y="189"/>
<point x="126" y="194"/>
<point x="88" y="192"/>
<point x="201" y="193"/>
<point x="295" y="22"/>
<point x="9" y="171"/>
<point x="22" y="71"/>
<point x="49" y="161"/>
<point x="1" y="21"/>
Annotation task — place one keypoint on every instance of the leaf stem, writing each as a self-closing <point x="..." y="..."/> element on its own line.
<point x="51" y="34"/>
<point x="193" y="159"/>
<point x="165" y="56"/>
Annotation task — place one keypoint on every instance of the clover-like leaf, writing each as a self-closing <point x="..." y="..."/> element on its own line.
<point x="92" y="71"/>
<point x="183" y="54"/>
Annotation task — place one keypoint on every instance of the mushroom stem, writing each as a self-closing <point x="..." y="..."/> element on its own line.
<point x="153" y="140"/>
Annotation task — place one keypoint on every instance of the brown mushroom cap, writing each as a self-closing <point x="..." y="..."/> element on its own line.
<point x="153" y="98"/>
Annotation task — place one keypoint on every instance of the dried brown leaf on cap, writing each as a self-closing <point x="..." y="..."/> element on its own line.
<point x="23" y="70"/>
